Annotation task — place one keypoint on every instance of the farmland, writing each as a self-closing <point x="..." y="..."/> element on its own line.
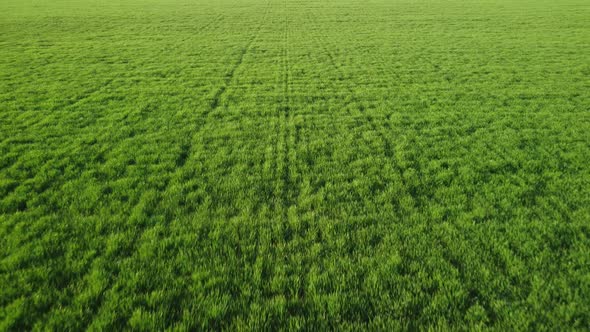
<point x="309" y="164"/>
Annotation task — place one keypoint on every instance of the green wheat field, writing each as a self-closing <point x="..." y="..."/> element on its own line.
<point x="294" y="165"/>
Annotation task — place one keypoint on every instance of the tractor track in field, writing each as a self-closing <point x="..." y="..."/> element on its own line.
<point x="287" y="160"/>
<point x="205" y="27"/>
<point x="388" y="150"/>
<point x="216" y="99"/>
<point x="83" y="96"/>
<point x="331" y="58"/>
<point x="389" y="153"/>
<point x="387" y="144"/>
<point x="187" y="148"/>
<point x="96" y="90"/>
<point x="286" y="115"/>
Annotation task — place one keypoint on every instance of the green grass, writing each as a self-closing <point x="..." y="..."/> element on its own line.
<point x="253" y="164"/>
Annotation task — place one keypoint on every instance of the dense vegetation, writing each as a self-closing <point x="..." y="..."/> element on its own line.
<point x="267" y="164"/>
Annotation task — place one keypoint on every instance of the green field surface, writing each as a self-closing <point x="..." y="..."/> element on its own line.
<point x="284" y="165"/>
